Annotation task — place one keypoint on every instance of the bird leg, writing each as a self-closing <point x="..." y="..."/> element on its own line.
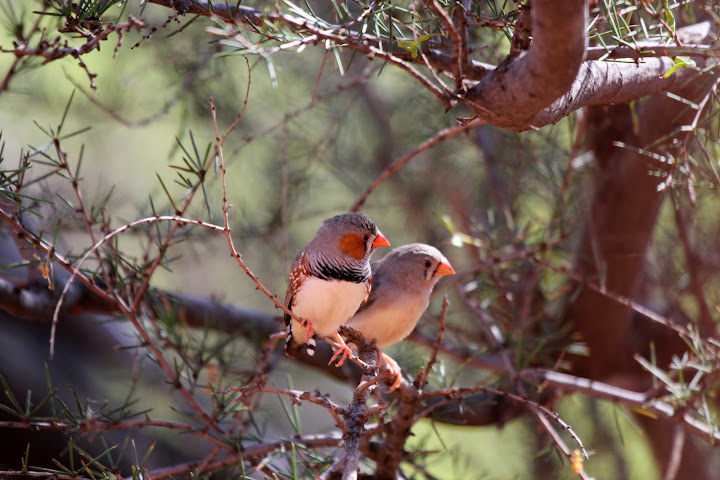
<point x="393" y="368"/>
<point x="305" y="323"/>
<point x="343" y="350"/>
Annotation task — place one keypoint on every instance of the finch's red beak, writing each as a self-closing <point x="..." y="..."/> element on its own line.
<point x="444" y="269"/>
<point x="380" y="241"/>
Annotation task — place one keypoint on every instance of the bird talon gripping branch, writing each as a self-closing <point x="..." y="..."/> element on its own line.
<point x="344" y="354"/>
<point x="343" y="350"/>
<point x="309" y="332"/>
<point x="394" y="369"/>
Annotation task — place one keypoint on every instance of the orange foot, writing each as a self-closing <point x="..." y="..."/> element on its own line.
<point x="343" y="350"/>
<point x="394" y="369"/>
<point x="308" y="329"/>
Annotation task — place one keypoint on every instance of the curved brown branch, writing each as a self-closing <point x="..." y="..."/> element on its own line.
<point x="601" y="83"/>
<point x="511" y="94"/>
<point x="623" y="52"/>
<point x="539" y="87"/>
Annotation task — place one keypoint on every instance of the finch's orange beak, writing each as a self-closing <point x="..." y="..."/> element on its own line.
<point x="444" y="269"/>
<point x="380" y="241"/>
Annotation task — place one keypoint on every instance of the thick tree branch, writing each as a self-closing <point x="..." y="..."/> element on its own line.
<point x="621" y="220"/>
<point x="602" y="83"/>
<point x="539" y="87"/>
<point x="511" y="94"/>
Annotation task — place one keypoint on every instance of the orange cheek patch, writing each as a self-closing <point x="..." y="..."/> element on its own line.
<point x="353" y="245"/>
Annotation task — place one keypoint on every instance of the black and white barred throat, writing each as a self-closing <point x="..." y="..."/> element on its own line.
<point x="328" y="268"/>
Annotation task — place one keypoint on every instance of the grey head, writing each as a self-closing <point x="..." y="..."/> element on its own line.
<point x="414" y="267"/>
<point x="342" y="247"/>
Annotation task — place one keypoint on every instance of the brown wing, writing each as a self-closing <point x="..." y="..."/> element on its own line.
<point x="298" y="273"/>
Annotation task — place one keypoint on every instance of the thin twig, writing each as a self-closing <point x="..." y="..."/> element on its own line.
<point x="57" y="49"/>
<point x="244" y="107"/>
<point x="74" y="181"/>
<point x="463" y="46"/>
<point x="559" y="442"/>
<point x="360" y="79"/>
<point x="130" y="310"/>
<point x="455" y="393"/>
<point x="659" y="18"/>
<point x="76" y="269"/>
<point x="259" y="450"/>
<point x="455" y="40"/>
<point x="297" y="396"/>
<point x="676" y="454"/>
<point x="226" y="218"/>
<point x="422" y="376"/>
<point x="231" y="244"/>
<point x="706" y="323"/>
<point x="19" y="60"/>
<point x="426" y="145"/>
<point x="622" y="300"/>
<point x="642" y="401"/>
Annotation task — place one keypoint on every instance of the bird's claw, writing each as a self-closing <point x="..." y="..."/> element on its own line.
<point x="394" y="369"/>
<point x="343" y="351"/>
<point x="309" y="332"/>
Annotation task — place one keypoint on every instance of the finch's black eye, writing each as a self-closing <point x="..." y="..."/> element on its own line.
<point x="366" y="238"/>
<point x="428" y="263"/>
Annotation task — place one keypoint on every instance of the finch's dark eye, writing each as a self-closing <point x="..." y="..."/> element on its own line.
<point x="366" y="238"/>
<point x="428" y="263"/>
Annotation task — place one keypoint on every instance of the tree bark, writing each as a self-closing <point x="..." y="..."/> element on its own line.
<point x="539" y="87"/>
<point x="510" y="95"/>
<point x="613" y="253"/>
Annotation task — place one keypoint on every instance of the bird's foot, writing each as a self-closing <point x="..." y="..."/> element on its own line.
<point x="394" y="370"/>
<point x="343" y="351"/>
<point x="309" y="332"/>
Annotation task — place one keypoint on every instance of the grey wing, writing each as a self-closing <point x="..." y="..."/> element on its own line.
<point x="377" y="279"/>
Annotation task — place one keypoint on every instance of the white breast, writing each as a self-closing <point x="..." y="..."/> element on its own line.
<point x="327" y="304"/>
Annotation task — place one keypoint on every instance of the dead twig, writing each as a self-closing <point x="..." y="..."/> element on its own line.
<point x="422" y="376"/>
<point x="423" y="147"/>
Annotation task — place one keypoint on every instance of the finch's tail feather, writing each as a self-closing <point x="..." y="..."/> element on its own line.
<point x="293" y="347"/>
